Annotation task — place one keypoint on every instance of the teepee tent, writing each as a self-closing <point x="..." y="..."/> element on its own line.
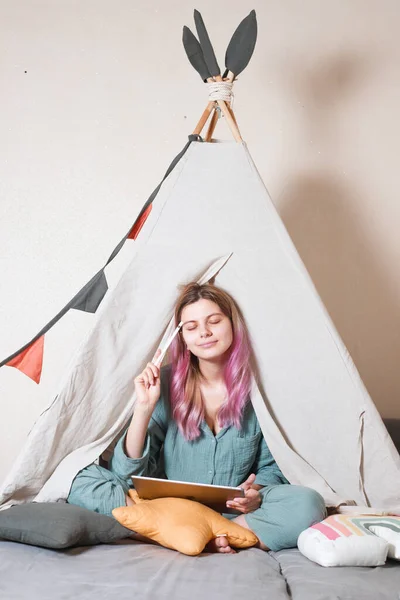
<point x="316" y="415"/>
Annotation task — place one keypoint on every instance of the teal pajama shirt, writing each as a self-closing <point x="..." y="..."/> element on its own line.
<point x="227" y="458"/>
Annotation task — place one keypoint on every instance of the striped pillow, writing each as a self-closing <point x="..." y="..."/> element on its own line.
<point x="342" y="540"/>
<point x="388" y="529"/>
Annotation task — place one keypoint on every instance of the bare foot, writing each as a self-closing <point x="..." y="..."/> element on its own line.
<point x="240" y="520"/>
<point x="219" y="544"/>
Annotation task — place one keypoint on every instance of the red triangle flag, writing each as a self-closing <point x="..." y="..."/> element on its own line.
<point x="30" y="360"/>
<point x="134" y="232"/>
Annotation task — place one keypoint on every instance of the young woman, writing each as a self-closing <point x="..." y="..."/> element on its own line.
<point x="194" y="421"/>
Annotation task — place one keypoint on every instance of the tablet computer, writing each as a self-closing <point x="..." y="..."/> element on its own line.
<point x="214" y="496"/>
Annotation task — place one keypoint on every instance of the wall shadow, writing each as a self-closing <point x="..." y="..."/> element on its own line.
<point x="321" y="212"/>
<point x="317" y="212"/>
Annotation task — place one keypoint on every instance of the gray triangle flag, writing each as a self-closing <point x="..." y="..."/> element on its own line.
<point x="91" y="294"/>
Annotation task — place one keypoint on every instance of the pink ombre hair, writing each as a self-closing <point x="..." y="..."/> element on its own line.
<point x="186" y="401"/>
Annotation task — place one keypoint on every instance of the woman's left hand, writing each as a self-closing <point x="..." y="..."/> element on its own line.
<point x="252" y="499"/>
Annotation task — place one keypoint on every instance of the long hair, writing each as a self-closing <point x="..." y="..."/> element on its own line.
<point x="186" y="401"/>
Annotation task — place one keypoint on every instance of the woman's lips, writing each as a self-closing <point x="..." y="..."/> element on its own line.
<point x="208" y="345"/>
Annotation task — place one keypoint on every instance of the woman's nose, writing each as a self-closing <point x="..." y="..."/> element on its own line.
<point x="205" y="332"/>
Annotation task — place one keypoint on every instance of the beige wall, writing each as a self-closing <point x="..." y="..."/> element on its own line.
<point x="107" y="100"/>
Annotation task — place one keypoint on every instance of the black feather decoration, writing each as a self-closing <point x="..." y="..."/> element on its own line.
<point x="206" y="46"/>
<point x="241" y="46"/>
<point x="195" y="53"/>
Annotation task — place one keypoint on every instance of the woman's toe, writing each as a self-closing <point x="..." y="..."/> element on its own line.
<point x="221" y="541"/>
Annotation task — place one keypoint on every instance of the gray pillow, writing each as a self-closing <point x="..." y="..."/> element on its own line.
<point x="58" y="525"/>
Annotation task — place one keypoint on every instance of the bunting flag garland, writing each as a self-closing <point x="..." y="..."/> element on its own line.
<point x="134" y="232"/>
<point x="30" y="360"/>
<point x="90" y="296"/>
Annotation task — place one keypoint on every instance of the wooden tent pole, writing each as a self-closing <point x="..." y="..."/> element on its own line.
<point x="231" y="78"/>
<point x="203" y="119"/>
<point x="232" y="125"/>
<point x="211" y="127"/>
<point x="227" y="112"/>
<point x="232" y="114"/>
<point x="229" y="107"/>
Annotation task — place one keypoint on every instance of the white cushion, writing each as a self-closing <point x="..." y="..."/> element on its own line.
<point x="391" y="536"/>
<point x="340" y="541"/>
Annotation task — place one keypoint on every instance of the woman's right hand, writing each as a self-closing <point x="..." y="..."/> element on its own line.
<point x="148" y="387"/>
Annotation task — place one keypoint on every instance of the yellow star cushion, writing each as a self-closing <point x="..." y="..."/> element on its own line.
<point x="180" y="524"/>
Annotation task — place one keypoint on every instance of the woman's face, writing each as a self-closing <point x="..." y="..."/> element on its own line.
<point x="206" y="330"/>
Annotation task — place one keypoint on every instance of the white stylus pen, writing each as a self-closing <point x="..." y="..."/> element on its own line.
<point x="167" y="345"/>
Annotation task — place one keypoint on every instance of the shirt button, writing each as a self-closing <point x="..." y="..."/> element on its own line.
<point x="209" y="472"/>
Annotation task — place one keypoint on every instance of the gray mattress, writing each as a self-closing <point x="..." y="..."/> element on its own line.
<point x="131" y="570"/>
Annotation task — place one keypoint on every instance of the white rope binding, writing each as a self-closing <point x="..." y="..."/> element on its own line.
<point x="220" y="90"/>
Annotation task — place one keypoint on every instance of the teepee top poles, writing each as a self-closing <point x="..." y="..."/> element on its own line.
<point x="201" y="55"/>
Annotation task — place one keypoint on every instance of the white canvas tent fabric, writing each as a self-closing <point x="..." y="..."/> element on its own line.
<point x="213" y="217"/>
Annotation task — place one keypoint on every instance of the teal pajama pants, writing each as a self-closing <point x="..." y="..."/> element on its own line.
<point x="286" y="510"/>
